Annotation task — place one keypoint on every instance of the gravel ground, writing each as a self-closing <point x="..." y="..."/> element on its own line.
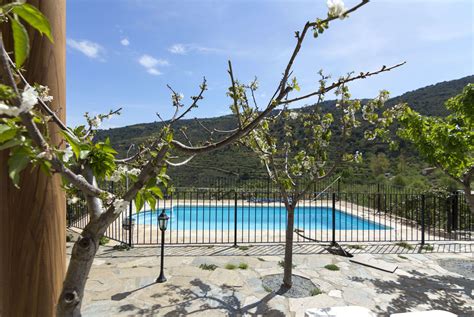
<point x="302" y="287"/>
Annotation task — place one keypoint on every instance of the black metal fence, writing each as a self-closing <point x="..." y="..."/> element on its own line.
<point x="224" y="216"/>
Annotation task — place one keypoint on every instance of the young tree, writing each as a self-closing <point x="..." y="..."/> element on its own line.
<point x="85" y="162"/>
<point x="293" y="164"/>
<point x="447" y="143"/>
<point x="379" y="164"/>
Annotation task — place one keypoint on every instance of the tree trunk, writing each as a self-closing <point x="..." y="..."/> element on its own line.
<point x="33" y="218"/>
<point x="288" y="268"/>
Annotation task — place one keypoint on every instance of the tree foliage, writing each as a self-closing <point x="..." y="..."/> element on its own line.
<point x="447" y="143"/>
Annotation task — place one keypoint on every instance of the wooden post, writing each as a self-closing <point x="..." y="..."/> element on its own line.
<point x="33" y="218"/>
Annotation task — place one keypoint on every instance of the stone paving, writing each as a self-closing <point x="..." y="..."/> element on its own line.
<point x="123" y="282"/>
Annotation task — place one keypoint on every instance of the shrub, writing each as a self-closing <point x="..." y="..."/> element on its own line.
<point x="332" y="267"/>
<point x="208" y="267"/>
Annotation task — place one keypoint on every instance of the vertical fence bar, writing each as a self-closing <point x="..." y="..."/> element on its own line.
<point x="333" y="218"/>
<point x="130" y="227"/>
<point x="422" y="219"/>
<point x="235" y="218"/>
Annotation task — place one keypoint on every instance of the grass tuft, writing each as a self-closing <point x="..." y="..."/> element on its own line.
<point x="332" y="267"/>
<point x="356" y="246"/>
<point x="405" y="245"/>
<point x="427" y="247"/>
<point x="282" y="264"/>
<point x="121" y="247"/>
<point x="315" y="291"/>
<point x="402" y="257"/>
<point x="244" y="248"/>
<point x="230" y="266"/>
<point x="208" y="267"/>
<point x="243" y="266"/>
<point x="104" y="240"/>
<point x="261" y="259"/>
<point x="267" y="289"/>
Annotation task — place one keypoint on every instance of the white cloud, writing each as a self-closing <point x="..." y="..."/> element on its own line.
<point x="178" y="49"/>
<point x="150" y="63"/>
<point x="88" y="48"/>
<point x="154" y="71"/>
<point x="125" y="42"/>
<point x="183" y="49"/>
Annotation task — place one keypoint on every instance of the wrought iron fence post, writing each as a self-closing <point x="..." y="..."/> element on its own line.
<point x="455" y="210"/>
<point x="422" y="219"/>
<point x="130" y="231"/>
<point x="235" y="218"/>
<point x="333" y="218"/>
<point x="378" y="198"/>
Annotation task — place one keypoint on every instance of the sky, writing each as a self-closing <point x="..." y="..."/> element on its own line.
<point x="124" y="53"/>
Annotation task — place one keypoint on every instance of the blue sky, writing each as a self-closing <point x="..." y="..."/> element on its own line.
<point x="122" y="53"/>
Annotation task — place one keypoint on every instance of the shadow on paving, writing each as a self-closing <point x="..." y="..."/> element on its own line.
<point x="414" y="291"/>
<point x="279" y="249"/>
<point x="230" y="303"/>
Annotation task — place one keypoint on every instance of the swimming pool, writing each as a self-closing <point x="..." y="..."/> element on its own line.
<point x="255" y="218"/>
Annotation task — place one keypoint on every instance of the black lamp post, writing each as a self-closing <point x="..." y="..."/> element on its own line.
<point x="163" y="223"/>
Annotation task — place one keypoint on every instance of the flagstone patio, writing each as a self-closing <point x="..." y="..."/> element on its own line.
<point x="123" y="282"/>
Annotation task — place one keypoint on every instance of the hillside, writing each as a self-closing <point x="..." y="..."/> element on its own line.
<point x="239" y="161"/>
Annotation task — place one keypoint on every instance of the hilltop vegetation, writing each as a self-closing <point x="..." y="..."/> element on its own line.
<point x="402" y="167"/>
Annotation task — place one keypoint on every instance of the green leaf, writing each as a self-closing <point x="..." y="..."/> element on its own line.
<point x="10" y="144"/>
<point x="75" y="146"/>
<point x="16" y="163"/>
<point x="157" y="191"/>
<point x="139" y="201"/>
<point x="6" y="133"/>
<point x="35" y="18"/>
<point x="21" y="42"/>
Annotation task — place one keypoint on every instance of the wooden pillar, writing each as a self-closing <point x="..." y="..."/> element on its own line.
<point x="33" y="218"/>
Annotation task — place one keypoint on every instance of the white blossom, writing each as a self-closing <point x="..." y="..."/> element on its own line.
<point x="336" y="8"/>
<point x="73" y="200"/>
<point x="67" y="154"/>
<point x="29" y="98"/>
<point x="120" y="205"/>
<point x="134" y="171"/>
<point x="95" y="123"/>
<point x="43" y="155"/>
<point x="9" y="110"/>
<point x="293" y="115"/>
<point x="176" y="98"/>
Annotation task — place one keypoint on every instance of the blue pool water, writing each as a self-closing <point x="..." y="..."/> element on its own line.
<point x="255" y="217"/>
